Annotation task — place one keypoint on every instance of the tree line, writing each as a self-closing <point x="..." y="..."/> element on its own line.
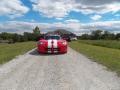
<point x="27" y="36"/>
<point x="100" y="34"/>
<point x="36" y="35"/>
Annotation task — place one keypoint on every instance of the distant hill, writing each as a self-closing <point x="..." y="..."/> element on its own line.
<point x="60" y="31"/>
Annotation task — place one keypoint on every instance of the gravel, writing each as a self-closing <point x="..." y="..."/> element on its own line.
<point x="71" y="71"/>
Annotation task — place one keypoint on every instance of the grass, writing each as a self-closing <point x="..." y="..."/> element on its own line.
<point x="106" y="56"/>
<point x="9" y="51"/>
<point x="104" y="43"/>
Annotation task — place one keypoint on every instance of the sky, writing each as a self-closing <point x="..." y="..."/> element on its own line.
<point x="77" y="16"/>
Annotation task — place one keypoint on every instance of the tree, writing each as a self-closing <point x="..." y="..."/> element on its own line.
<point x="29" y="36"/>
<point x="117" y="36"/>
<point x="96" y="34"/>
<point x="108" y="36"/>
<point x="16" y="37"/>
<point x="36" y="33"/>
<point x="25" y="36"/>
<point x="6" y="36"/>
<point x="85" y="36"/>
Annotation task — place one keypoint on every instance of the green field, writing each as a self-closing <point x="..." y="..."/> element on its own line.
<point x="104" y="43"/>
<point x="109" y="57"/>
<point x="9" y="51"/>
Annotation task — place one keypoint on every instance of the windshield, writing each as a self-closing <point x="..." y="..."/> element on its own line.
<point x="52" y="37"/>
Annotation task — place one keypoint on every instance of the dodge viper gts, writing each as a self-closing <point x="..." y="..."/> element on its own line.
<point x="52" y="44"/>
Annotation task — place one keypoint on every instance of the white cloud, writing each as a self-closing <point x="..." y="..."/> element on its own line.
<point x="59" y="18"/>
<point x="72" y="21"/>
<point x="96" y="17"/>
<point x="20" y="27"/>
<point x="100" y="9"/>
<point x="12" y="8"/>
<point x="61" y="8"/>
<point x="53" y="8"/>
<point x="97" y="2"/>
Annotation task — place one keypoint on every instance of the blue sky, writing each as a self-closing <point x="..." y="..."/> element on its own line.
<point x="78" y="16"/>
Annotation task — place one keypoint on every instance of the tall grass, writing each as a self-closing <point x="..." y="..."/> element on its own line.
<point x="109" y="57"/>
<point x="104" y="43"/>
<point x="9" y="51"/>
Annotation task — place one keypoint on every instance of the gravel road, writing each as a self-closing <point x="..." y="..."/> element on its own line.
<point x="71" y="71"/>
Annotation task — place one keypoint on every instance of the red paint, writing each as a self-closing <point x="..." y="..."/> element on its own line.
<point x="43" y="48"/>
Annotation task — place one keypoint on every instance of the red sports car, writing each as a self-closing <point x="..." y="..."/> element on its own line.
<point x="52" y="44"/>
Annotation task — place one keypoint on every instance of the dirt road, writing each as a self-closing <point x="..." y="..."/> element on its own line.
<point x="71" y="71"/>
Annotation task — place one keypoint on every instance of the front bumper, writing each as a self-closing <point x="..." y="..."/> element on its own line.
<point x="62" y="49"/>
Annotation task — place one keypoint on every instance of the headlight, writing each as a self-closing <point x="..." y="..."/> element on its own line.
<point x="40" y="43"/>
<point x="64" y="43"/>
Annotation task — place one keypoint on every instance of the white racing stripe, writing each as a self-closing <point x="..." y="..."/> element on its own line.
<point x="55" y="44"/>
<point x="49" y="52"/>
<point x="49" y="44"/>
<point x="55" y="51"/>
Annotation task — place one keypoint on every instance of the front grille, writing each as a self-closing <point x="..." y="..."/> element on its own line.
<point x="54" y="49"/>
